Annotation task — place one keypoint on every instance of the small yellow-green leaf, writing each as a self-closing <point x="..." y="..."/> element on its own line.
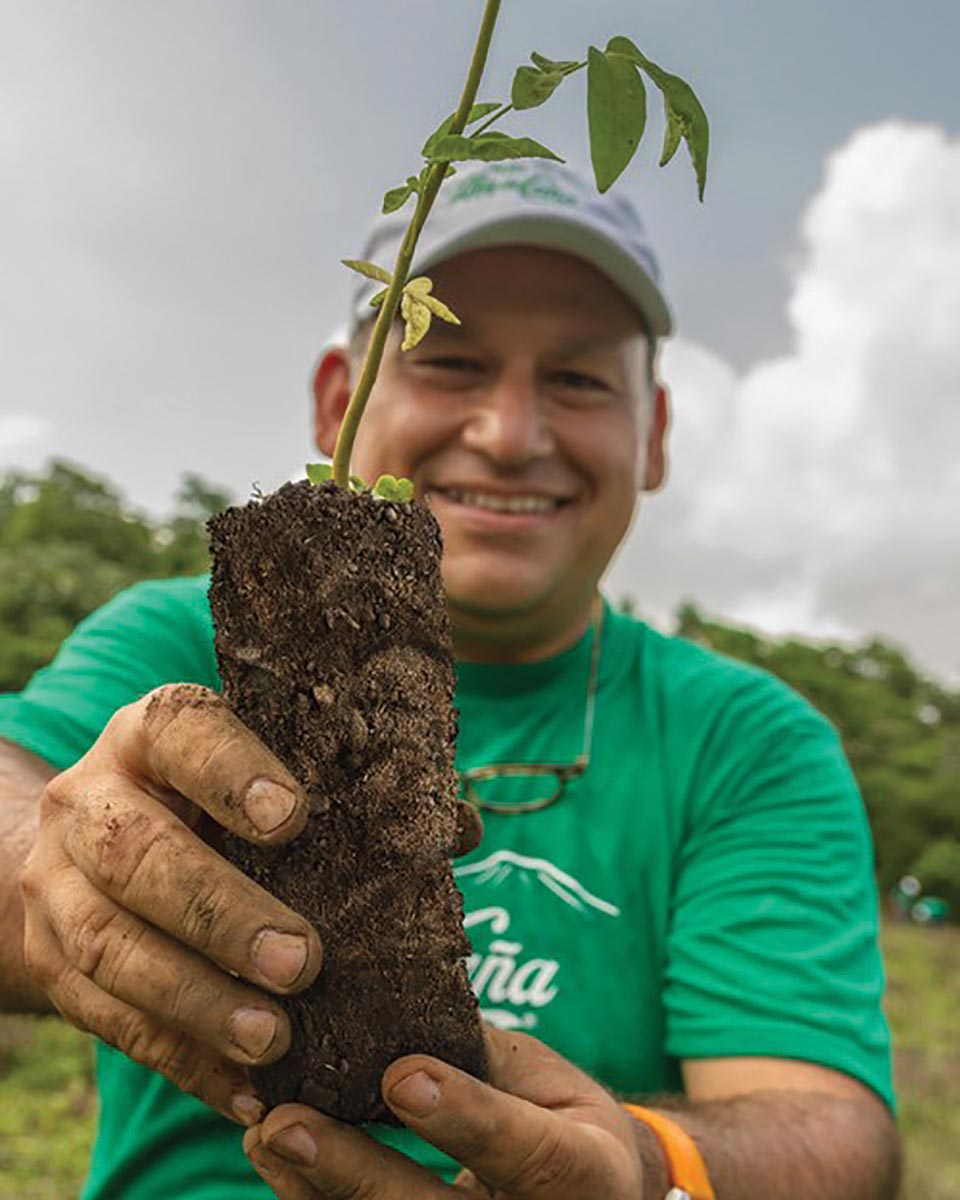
<point x="416" y="315"/>
<point x="531" y="87"/>
<point x="419" y="287"/>
<point x="319" y="472"/>
<point x="379" y="298"/>
<point x="439" y="309"/>
<point x="370" y="270"/>
<point x="404" y="490"/>
<point x="617" y="112"/>
<point x="358" y="484"/>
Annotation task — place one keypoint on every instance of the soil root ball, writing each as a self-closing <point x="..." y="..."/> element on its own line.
<point x="333" y="643"/>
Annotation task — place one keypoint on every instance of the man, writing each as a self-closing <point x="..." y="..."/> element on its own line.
<point x="692" y="915"/>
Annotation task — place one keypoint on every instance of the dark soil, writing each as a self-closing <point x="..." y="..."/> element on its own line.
<point x="334" y="647"/>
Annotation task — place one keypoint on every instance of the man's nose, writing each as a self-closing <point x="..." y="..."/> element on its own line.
<point x="509" y="425"/>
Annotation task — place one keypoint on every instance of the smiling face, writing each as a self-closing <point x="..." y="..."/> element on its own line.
<point x="530" y="430"/>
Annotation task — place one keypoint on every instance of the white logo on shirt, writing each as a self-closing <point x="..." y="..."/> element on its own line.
<point x="502" y="976"/>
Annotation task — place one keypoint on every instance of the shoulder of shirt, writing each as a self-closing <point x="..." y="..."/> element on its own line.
<point x="179" y="604"/>
<point x="181" y="590"/>
<point x="700" y="679"/>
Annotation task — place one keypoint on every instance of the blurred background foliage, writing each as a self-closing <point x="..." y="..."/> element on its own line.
<point x="69" y="541"/>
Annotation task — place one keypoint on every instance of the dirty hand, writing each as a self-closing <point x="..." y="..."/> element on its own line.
<point x="137" y="929"/>
<point x="542" y="1130"/>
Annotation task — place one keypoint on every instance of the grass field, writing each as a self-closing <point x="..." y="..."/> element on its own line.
<point x="47" y="1104"/>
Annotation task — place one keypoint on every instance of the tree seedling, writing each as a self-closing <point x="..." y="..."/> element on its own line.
<point x="335" y="647"/>
<point x="617" y="119"/>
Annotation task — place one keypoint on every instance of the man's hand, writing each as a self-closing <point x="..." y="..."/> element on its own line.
<point x="542" y="1130"/>
<point x="137" y="929"/>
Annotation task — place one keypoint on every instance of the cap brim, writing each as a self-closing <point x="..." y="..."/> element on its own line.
<point x="572" y="237"/>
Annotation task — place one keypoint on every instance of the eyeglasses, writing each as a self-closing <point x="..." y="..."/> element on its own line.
<point x="560" y="774"/>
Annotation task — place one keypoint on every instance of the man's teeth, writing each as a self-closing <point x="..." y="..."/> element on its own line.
<point x="514" y="504"/>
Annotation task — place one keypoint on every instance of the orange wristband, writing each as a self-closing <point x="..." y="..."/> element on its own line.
<point x="688" y="1175"/>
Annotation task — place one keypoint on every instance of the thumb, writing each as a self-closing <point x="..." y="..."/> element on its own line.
<point x="509" y="1143"/>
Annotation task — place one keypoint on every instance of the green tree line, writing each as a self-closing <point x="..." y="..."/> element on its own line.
<point x="69" y="541"/>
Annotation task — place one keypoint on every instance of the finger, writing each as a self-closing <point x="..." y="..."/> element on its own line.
<point x="132" y="848"/>
<point x="512" y="1144"/>
<point x="283" y="1179"/>
<point x="469" y="833"/>
<point x="132" y="961"/>
<point x="342" y="1162"/>
<point x="524" y="1066"/>
<point x="471" y="1186"/>
<point x="186" y="738"/>
<point x="193" y="1067"/>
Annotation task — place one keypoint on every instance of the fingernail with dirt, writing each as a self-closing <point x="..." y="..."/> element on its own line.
<point x="253" y="1030"/>
<point x="280" y="957"/>
<point x="268" y="805"/>
<point x="296" y="1144"/>
<point x="247" y="1109"/>
<point x="417" y="1094"/>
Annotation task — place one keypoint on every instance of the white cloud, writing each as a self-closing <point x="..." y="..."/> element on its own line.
<point x="820" y="492"/>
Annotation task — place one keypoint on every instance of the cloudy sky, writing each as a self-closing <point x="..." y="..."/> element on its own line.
<point x="178" y="181"/>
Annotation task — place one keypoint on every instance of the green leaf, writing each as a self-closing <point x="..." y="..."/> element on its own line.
<point x="492" y="146"/>
<point x="396" y="198"/>
<point x="389" y="487"/>
<point x="549" y="66"/>
<point x="319" y="472"/>
<point x="531" y="87"/>
<point x="370" y="270"/>
<point x="322" y="472"/>
<point x="685" y="116"/>
<point x="477" y="113"/>
<point x="379" y="298"/>
<point x="617" y="113"/>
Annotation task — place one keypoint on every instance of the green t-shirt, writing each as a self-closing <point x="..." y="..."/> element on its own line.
<point x="704" y="890"/>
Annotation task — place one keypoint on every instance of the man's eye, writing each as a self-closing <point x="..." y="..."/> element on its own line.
<point x="452" y="363"/>
<point x="576" y="379"/>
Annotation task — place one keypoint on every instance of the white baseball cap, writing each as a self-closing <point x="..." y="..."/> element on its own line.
<point x="533" y="202"/>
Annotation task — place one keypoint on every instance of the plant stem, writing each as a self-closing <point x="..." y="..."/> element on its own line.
<point x="501" y="112"/>
<point x="388" y="310"/>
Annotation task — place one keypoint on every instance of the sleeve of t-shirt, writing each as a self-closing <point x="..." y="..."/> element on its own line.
<point x="155" y="632"/>
<point x="772" y="947"/>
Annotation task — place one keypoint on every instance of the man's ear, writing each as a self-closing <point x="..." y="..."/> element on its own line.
<point x="331" y="395"/>
<point x="656" y="468"/>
